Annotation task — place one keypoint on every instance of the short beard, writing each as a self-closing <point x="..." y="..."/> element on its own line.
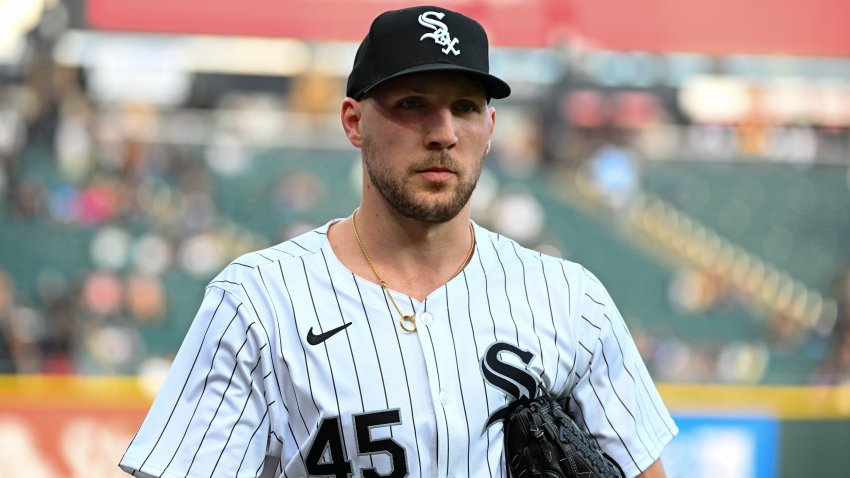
<point x="397" y="193"/>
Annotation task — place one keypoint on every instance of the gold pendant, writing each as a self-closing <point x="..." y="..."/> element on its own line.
<point x="411" y="319"/>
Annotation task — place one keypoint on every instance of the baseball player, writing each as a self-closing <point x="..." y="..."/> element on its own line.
<point x="388" y="343"/>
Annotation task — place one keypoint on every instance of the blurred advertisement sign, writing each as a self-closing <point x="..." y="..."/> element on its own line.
<point x="789" y="27"/>
<point x="74" y="443"/>
<point x="731" y="447"/>
<point x="68" y="426"/>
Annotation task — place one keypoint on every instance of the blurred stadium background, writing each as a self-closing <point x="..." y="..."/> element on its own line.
<point x="694" y="155"/>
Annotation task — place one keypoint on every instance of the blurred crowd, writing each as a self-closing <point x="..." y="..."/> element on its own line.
<point x="140" y="209"/>
<point x="835" y="369"/>
<point x="134" y="194"/>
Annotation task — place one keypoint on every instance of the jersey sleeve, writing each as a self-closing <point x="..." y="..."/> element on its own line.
<point x="615" y="396"/>
<point x="211" y="416"/>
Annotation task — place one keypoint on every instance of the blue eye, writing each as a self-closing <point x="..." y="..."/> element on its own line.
<point x="410" y="103"/>
<point x="466" y="107"/>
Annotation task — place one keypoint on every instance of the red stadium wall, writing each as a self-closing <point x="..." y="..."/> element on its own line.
<point x="792" y="27"/>
<point x="67" y="426"/>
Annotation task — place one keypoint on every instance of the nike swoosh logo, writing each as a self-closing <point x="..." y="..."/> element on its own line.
<point x="314" y="339"/>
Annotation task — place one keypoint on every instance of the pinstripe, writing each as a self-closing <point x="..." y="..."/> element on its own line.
<point x="327" y="354"/>
<point x="299" y="245"/>
<point x="390" y="315"/>
<point x="266" y="332"/>
<point x="619" y="346"/>
<point x="617" y="394"/>
<point x="222" y="281"/>
<point x="593" y="300"/>
<point x="250" y="440"/>
<point x="257" y="429"/>
<point x="478" y="354"/>
<point x="303" y="351"/>
<point x="591" y="323"/>
<point x="239" y="418"/>
<point x="507" y="294"/>
<point x="460" y="385"/>
<point x="643" y="384"/>
<point x="531" y="311"/>
<point x="272" y="433"/>
<point x="586" y="349"/>
<point x="570" y="372"/>
<point x="489" y="305"/>
<point x="274" y="367"/>
<point x="374" y="345"/>
<point x="278" y="249"/>
<point x="569" y="293"/>
<point x="348" y="338"/>
<point x="375" y="348"/>
<point x="204" y="389"/>
<point x="347" y="335"/>
<point x="487" y="294"/>
<point x="279" y="470"/>
<point x="658" y="413"/>
<point x="223" y="395"/>
<point x="605" y="413"/>
<point x="186" y="382"/>
<point x="653" y="402"/>
<point x="440" y="383"/>
<point x="260" y="468"/>
<point x="583" y="419"/>
<point x="643" y="414"/>
<point x="552" y="319"/>
<point x="584" y="423"/>
<point x="280" y="346"/>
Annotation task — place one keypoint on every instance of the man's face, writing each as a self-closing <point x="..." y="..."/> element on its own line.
<point x="424" y="138"/>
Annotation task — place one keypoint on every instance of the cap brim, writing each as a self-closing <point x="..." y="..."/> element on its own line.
<point x="493" y="86"/>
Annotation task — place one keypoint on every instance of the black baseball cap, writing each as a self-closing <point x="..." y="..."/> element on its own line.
<point x="421" y="39"/>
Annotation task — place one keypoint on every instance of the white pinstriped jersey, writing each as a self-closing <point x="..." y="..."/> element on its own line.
<point x="250" y="395"/>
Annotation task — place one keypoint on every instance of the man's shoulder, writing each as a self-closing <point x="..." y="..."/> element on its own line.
<point x="247" y="265"/>
<point x="507" y="249"/>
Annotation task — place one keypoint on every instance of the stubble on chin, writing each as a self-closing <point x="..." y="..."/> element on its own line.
<point x="407" y="199"/>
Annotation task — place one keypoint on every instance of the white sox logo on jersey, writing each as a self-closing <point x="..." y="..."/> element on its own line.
<point x="514" y="381"/>
<point x="441" y="35"/>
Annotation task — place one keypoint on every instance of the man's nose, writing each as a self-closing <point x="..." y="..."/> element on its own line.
<point x="440" y="129"/>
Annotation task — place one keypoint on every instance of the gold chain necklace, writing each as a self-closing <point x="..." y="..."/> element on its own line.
<point x="407" y="322"/>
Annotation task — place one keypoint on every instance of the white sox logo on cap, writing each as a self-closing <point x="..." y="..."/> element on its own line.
<point x="391" y="49"/>
<point x="441" y="35"/>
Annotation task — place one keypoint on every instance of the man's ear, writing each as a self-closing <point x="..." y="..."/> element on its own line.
<point x="350" y="116"/>
<point x="492" y="112"/>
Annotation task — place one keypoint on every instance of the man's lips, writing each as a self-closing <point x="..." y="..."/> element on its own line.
<point x="437" y="173"/>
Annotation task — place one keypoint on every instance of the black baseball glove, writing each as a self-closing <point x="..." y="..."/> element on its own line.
<point x="541" y="440"/>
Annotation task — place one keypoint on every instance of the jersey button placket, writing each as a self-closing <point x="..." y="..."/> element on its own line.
<point x="432" y="340"/>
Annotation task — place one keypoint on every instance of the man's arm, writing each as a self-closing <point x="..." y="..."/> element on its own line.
<point x="656" y="470"/>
